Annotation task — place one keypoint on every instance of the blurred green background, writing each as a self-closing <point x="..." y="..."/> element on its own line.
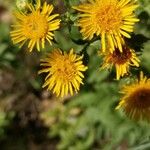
<point x="31" y="118"/>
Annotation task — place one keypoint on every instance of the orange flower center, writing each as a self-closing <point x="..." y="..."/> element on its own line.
<point x="109" y="17"/>
<point x="66" y="69"/>
<point x="35" y="26"/>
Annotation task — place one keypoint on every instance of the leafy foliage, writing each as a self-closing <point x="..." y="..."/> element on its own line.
<point x="89" y="119"/>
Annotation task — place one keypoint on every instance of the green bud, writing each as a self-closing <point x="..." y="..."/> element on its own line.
<point x="21" y="4"/>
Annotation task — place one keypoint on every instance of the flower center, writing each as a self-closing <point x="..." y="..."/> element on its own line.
<point x="141" y="98"/>
<point x="35" y="26"/>
<point x="109" y="17"/>
<point x="121" y="57"/>
<point x="66" y="69"/>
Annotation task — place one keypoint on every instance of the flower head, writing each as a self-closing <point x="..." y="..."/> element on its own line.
<point x="136" y="99"/>
<point x="121" y="60"/>
<point x="111" y="19"/>
<point x="35" y="26"/>
<point x="64" y="72"/>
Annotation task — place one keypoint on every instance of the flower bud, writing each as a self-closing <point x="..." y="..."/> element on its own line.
<point x="21" y="4"/>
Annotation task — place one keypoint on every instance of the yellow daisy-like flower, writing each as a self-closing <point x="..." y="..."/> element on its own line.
<point x="121" y="60"/>
<point x="111" y="19"/>
<point x="35" y="27"/>
<point x="64" y="72"/>
<point x="136" y="99"/>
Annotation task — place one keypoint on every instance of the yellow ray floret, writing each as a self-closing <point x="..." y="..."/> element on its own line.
<point x="35" y="27"/>
<point x="121" y="60"/>
<point x="110" y="19"/>
<point x="65" y="72"/>
<point x="136" y="100"/>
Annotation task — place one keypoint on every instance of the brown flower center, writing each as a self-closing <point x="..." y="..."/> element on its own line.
<point x="141" y="98"/>
<point x="121" y="57"/>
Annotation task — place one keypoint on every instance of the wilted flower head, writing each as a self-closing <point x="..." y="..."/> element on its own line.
<point x="121" y="60"/>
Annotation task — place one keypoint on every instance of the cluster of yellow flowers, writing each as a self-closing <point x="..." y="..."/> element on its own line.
<point x="113" y="21"/>
<point x="34" y="27"/>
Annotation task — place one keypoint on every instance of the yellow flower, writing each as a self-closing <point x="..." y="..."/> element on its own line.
<point x="121" y="60"/>
<point x="35" y="27"/>
<point x="136" y="99"/>
<point x="111" y="19"/>
<point x="64" y="72"/>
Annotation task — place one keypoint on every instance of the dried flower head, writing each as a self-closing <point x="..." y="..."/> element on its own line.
<point x="121" y="60"/>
